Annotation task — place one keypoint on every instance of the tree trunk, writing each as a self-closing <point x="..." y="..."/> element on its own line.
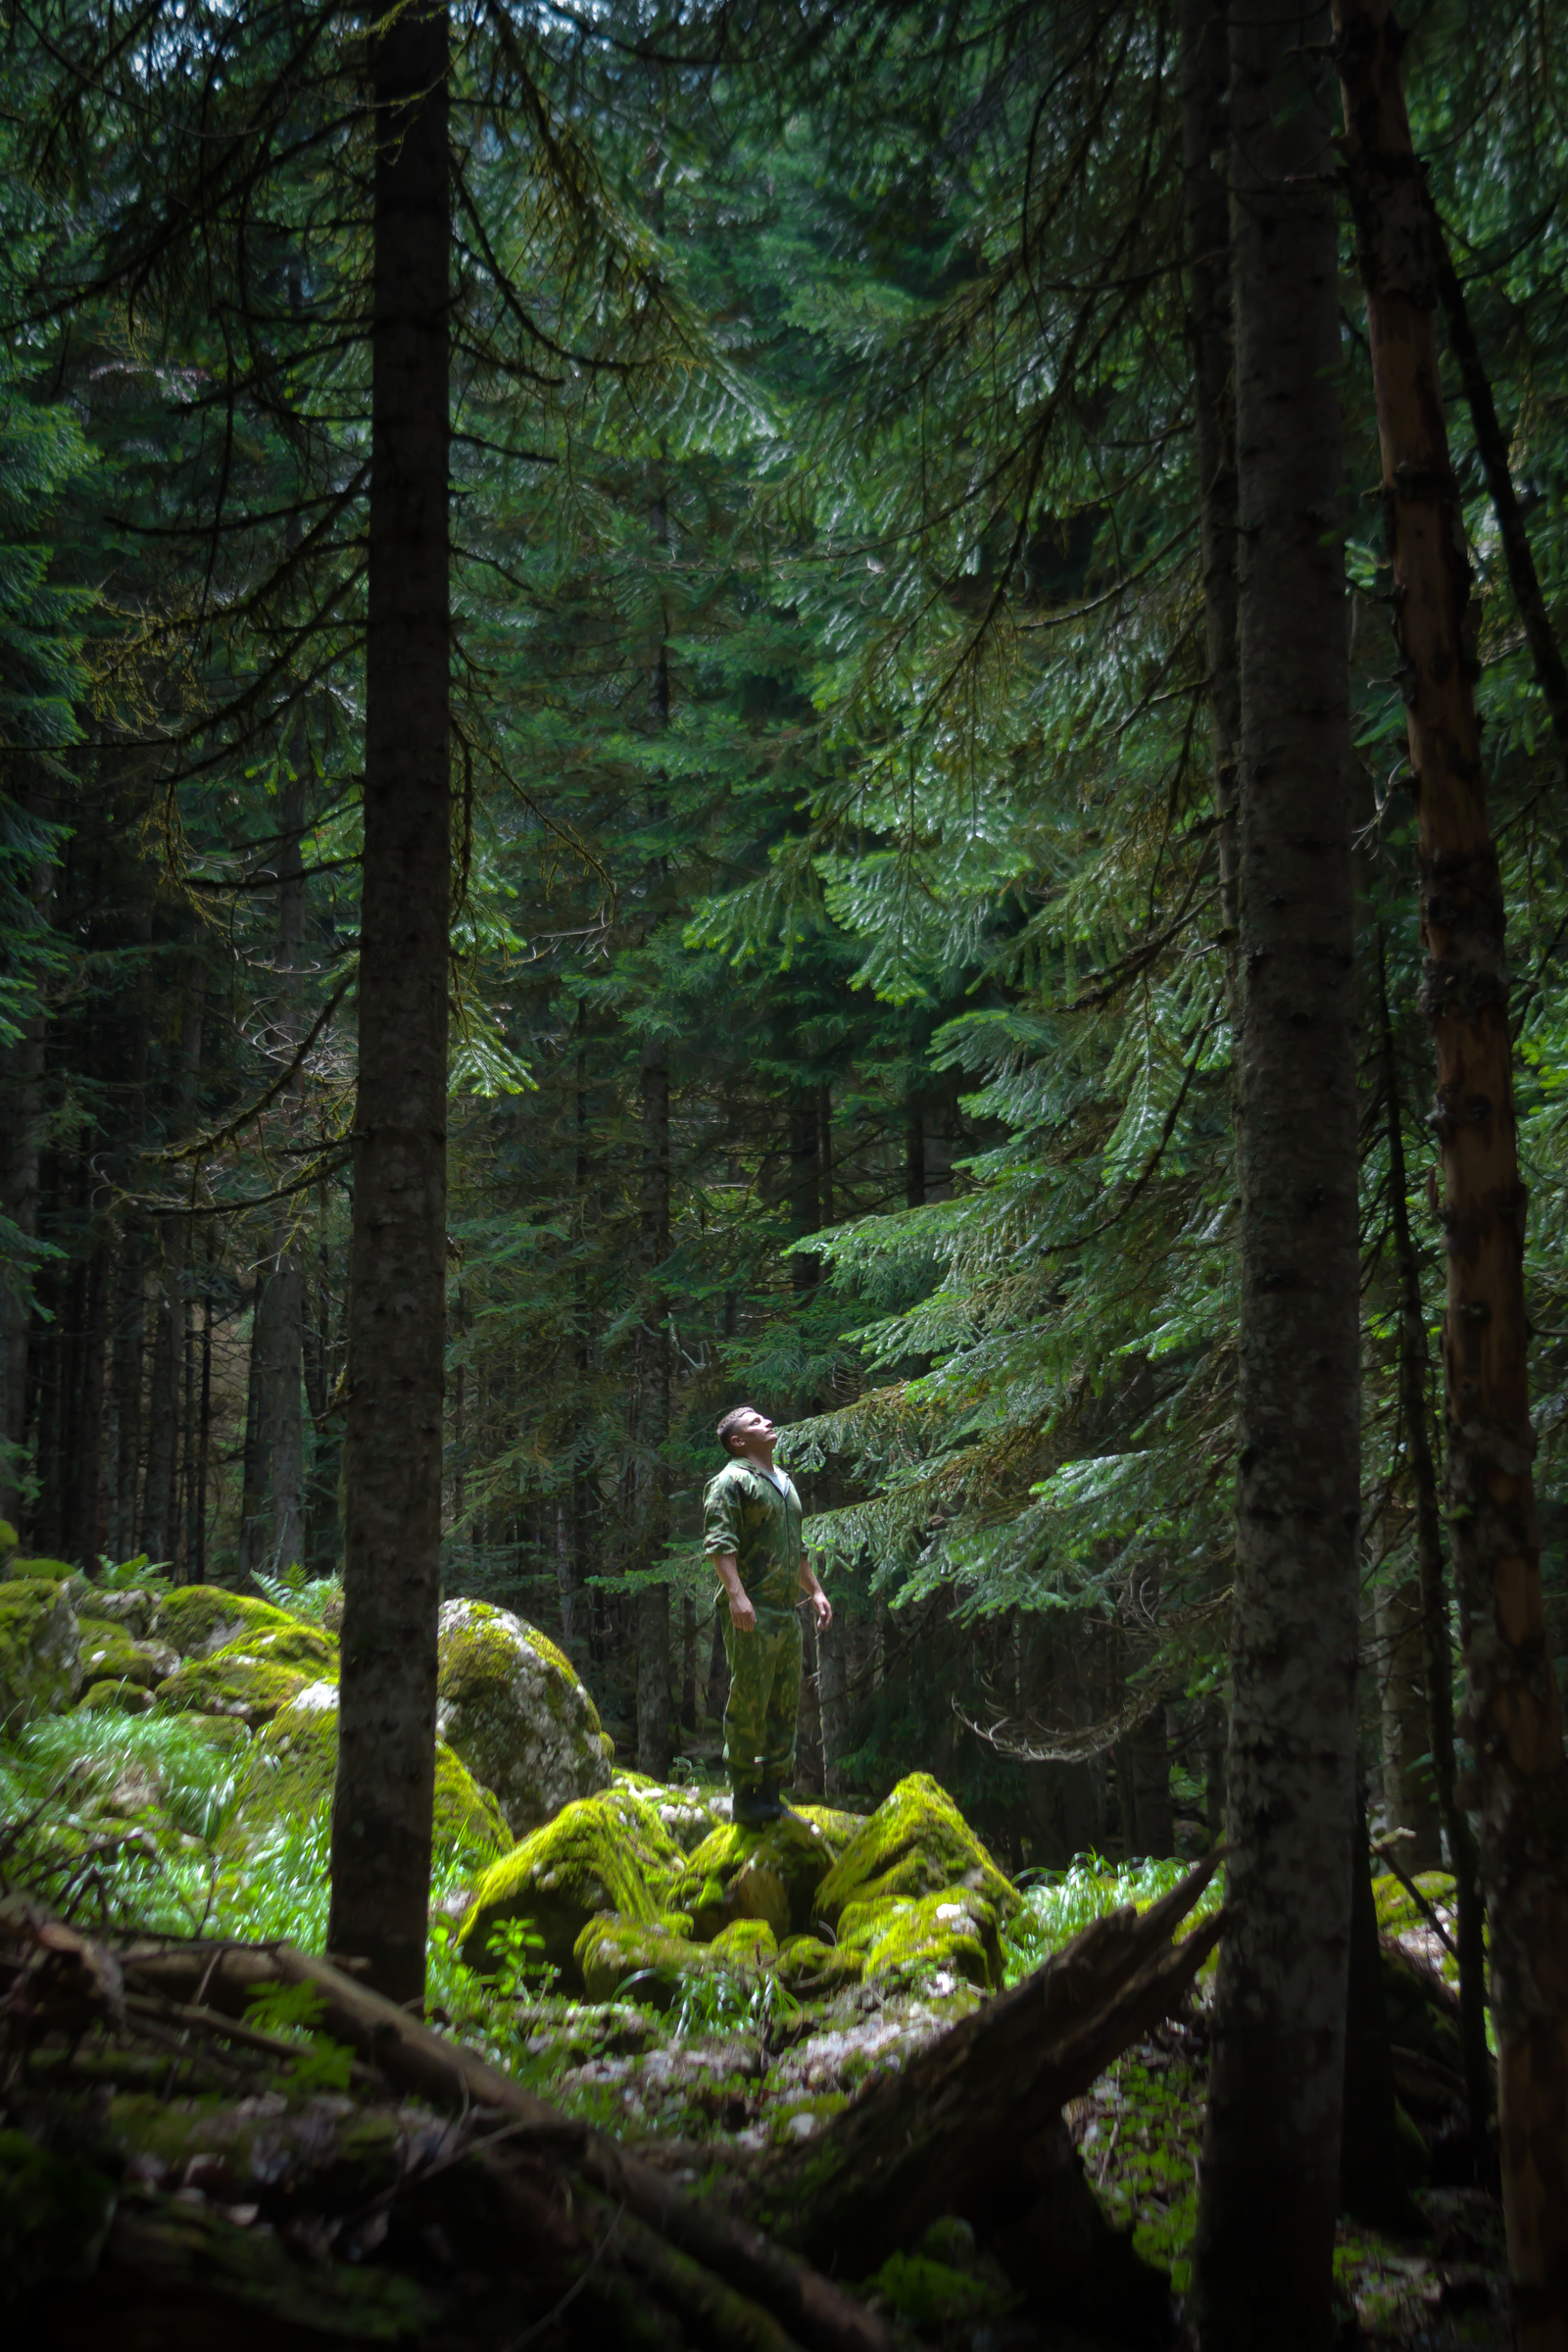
<point x="833" y="1698"/>
<point x="1272" y="2152"/>
<point x="1409" y="1799"/>
<point x="272" y="1519"/>
<point x="1371" y="2164"/>
<point x="1149" y="1752"/>
<point x="655" y="1728"/>
<point x="21" y="1068"/>
<point x="1205" y="85"/>
<point x="1437" y="1675"/>
<point x="1514" y="1719"/>
<point x="809" y="1777"/>
<point x="1491" y="446"/>
<point x="381" y="1811"/>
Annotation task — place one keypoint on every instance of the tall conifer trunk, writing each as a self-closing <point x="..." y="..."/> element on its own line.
<point x="1513" y="1717"/>
<point x="1271" y="2158"/>
<point x="381" y="1811"/>
<point x="654" y="1731"/>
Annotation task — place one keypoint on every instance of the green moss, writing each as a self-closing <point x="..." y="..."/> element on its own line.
<point x="639" y="1961"/>
<point x="915" y="1843"/>
<point x="292" y="1766"/>
<point x="953" y="1930"/>
<point x="771" y="1872"/>
<point x="512" y="1705"/>
<point x="813" y="1970"/>
<point x="683" y="1813"/>
<point x="116" y="1698"/>
<point x="198" y="1620"/>
<point x="46" y="1572"/>
<point x="746" y="1943"/>
<point x="232" y="1682"/>
<point x="109" y="1655"/>
<point x="55" y="2214"/>
<point x="584" y="1862"/>
<point x="929" y="2295"/>
<point x="837" y="1827"/>
<point x="38" y="1644"/>
<point x="9" y="1540"/>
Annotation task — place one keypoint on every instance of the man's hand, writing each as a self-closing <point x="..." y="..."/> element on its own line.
<point x="742" y="1615"/>
<point x="823" y="1610"/>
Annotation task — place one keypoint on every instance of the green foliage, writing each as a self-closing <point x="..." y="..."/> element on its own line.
<point x="1059" y="1904"/>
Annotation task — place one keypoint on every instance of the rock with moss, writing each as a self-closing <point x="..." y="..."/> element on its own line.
<point x="637" y="1960"/>
<point x="836" y="1826"/>
<point x="813" y="1970"/>
<point x="915" y="1843"/>
<point x="587" y="1861"/>
<point x="512" y="1705"/>
<point x="199" y="1620"/>
<point x="769" y="1871"/>
<point x="36" y="1572"/>
<point x="746" y="1943"/>
<point x="117" y="1698"/>
<point x="109" y="1655"/>
<point x="39" y="1646"/>
<point x="687" y="1817"/>
<point x="132" y="1609"/>
<point x="235" y="1682"/>
<point x="952" y="1933"/>
<point x="292" y="1765"/>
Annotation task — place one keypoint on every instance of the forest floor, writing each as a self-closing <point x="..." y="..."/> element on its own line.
<point x="737" y="2067"/>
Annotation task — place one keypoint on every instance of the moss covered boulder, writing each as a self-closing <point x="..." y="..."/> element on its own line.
<point x="771" y="1872"/>
<point x="40" y="1645"/>
<point x="36" y="1572"/>
<point x="117" y="1699"/>
<point x="512" y="1705"/>
<point x="235" y="1682"/>
<point x="687" y="1817"/>
<point x="813" y="1970"/>
<point x="745" y="1943"/>
<point x="637" y="1960"/>
<point x="108" y="1654"/>
<point x="199" y="1620"/>
<point x="292" y="1765"/>
<point x="915" y="1843"/>
<point x="134" y="1608"/>
<point x="588" y="1860"/>
<point x="953" y="1933"/>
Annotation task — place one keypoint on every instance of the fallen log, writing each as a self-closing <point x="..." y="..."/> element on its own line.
<point x="577" y="2239"/>
<point x="972" y="2125"/>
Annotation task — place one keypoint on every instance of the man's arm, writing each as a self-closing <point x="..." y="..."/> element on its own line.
<point x="819" y="1599"/>
<point x="742" y="1613"/>
<point x="721" y="1543"/>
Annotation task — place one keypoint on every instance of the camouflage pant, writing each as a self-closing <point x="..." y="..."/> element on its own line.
<point x="765" y="1695"/>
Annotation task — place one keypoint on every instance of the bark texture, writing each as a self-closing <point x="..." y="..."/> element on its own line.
<point x="1513" y="1718"/>
<point x="1270" y="2182"/>
<point x="655" y="1725"/>
<point x="1409" y="1796"/>
<point x="386" y="1756"/>
<point x="1433" y="1584"/>
<point x="1206" y="88"/>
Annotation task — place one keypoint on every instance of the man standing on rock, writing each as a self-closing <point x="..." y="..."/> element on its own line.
<point x="752" y="1536"/>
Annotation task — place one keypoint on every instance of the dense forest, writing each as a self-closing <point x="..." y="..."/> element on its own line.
<point x="856" y="710"/>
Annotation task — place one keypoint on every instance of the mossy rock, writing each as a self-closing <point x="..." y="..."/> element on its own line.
<point x="813" y="1970"/>
<point x="836" y="1826"/>
<point x="117" y="1698"/>
<point x="9" y="1540"/>
<point x="953" y="1930"/>
<point x="108" y="1654"/>
<point x="511" y="1703"/>
<point x="199" y="1620"/>
<point x="132" y="1610"/>
<point x="584" y="1862"/>
<point x="290" y="1772"/>
<point x="746" y="1943"/>
<point x="770" y="1872"/>
<point x="235" y="1682"/>
<point x="39" y="1642"/>
<point x="37" y="1572"/>
<point x="684" y="1814"/>
<point x="636" y="1960"/>
<point x="915" y="1843"/>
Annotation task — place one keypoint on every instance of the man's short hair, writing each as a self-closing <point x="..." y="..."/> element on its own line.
<point x="730" y="1424"/>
